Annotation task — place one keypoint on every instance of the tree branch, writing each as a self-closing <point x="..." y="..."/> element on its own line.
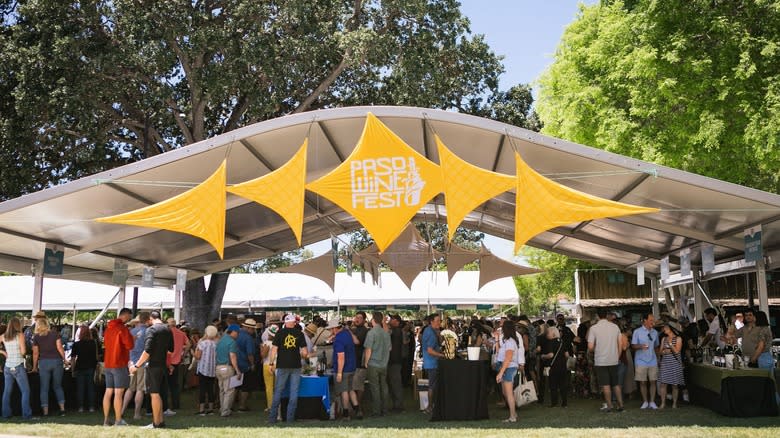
<point x="334" y="74"/>
<point x="235" y="116"/>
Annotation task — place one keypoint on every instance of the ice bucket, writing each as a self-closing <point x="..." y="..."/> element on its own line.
<point x="473" y="353"/>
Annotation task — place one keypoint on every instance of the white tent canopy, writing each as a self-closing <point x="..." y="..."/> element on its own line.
<point x="261" y="291"/>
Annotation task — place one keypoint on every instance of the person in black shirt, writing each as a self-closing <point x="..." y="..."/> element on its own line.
<point x="84" y="357"/>
<point x="157" y="346"/>
<point x="395" y="364"/>
<point x="289" y="348"/>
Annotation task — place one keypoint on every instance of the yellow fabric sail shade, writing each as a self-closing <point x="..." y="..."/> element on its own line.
<point x="467" y="186"/>
<point x="542" y="204"/>
<point x="199" y="212"/>
<point x="383" y="183"/>
<point x="282" y="190"/>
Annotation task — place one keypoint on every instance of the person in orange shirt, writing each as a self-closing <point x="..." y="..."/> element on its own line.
<point x="117" y="342"/>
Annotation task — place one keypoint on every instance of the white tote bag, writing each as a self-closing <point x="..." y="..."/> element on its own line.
<point x="525" y="392"/>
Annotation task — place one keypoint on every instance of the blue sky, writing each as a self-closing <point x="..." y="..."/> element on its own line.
<point x="526" y="33"/>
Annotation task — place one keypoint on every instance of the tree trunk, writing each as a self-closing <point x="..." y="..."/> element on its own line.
<point x="200" y="305"/>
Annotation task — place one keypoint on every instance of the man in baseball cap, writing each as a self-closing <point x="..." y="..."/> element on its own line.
<point x="289" y="348"/>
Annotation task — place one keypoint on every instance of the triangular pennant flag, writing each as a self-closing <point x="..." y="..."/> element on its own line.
<point x="199" y="212"/>
<point x="467" y="186"/>
<point x="457" y="258"/>
<point x="383" y="183"/>
<point x="409" y="255"/>
<point x="542" y="204"/>
<point x="492" y="267"/>
<point x="282" y="190"/>
<point x="319" y="267"/>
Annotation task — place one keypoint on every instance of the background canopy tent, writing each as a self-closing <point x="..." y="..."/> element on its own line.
<point x="694" y="209"/>
<point x="278" y="291"/>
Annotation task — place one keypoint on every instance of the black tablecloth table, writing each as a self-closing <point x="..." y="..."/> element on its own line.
<point x="735" y="393"/>
<point x="68" y="386"/>
<point x="462" y="390"/>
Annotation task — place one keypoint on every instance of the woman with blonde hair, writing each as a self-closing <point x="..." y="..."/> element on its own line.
<point x="206" y="355"/>
<point x="49" y="359"/>
<point x="14" y="370"/>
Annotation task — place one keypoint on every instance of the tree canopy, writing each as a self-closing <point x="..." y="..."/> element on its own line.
<point x="88" y="86"/>
<point x="693" y="85"/>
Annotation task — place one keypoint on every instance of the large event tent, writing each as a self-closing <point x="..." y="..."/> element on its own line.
<point x="695" y="210"/>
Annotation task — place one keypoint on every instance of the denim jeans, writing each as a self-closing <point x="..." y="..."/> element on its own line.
<point x="85" y="383"/>
<point x="765" y="361"/>
<point x="51" y="372"/>
<point x="284" y="375"/>
<point x="19" y="374"/>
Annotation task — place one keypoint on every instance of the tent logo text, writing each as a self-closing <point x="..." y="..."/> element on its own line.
<point x="385" y="182"/>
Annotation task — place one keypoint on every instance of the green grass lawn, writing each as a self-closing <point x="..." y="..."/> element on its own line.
<point x="581" y="418"/>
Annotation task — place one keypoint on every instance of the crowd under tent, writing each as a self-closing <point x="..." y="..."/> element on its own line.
<point x="698" y="215"/>
<point x="280" y="291"/>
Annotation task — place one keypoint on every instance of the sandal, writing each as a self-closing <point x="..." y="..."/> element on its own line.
<point x="510" y="420"/>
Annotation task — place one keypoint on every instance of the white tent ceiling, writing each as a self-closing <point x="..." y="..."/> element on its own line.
<point x="696" y="209"/>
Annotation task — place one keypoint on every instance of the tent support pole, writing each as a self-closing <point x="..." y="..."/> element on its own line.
<point x="763" y="296"/>
<point x="135" y="300"/>
<point x="177" y="305"/>
<point x="120" y="302"/>
<point x="654" y="292"/>
<point x="105" y="309"/>
<point x="38" y="289"/>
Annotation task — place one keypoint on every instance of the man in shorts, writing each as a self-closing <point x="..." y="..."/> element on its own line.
<point x="644" y="342"/>
<point x="344" y="366"/>
<point x="117" y="342"/>
<point x="157" y="345"/>
<point x="359" y="333"/>
<point x="604" y="342"/>
<point x="137" y="386"/>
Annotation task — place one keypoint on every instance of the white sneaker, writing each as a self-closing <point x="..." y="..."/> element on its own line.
<point x="685" y="397"/>
<point x="644" y="405"/>
<point x="653" y="405"/>
<point x="169" y="413"/>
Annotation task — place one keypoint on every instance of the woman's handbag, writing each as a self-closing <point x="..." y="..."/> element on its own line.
<point x="525" y="393"/>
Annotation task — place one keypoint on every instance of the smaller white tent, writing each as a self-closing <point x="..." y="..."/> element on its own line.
<point x="275" y="291"/>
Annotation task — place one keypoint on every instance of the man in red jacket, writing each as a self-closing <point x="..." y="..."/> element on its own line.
<point x="117" y="343"/>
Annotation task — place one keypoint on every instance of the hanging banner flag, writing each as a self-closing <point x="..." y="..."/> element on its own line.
<point x="119" y="276"/>
<point x="467" y="186"/>
<point x="754" y="251"/>
<point x="199" y="212"/>
<point x="542" y="204"/>
<point x="181" y="279"/>
<point x="685" y="262"/>
<point x="147" y="277"/>
<point x="707" y="257"/>
<point x="640" y="274"/>
<point x="665" y="268"/>
<point x="383" y="182"/>
<point x="282" y="190"/>
<point x="53" y="258"/>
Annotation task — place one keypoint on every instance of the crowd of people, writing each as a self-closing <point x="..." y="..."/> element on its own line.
<point x="146" y="362"/>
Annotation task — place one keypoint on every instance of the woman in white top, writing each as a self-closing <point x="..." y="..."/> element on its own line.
<point x="206" y="354"/>
<point x="507" y="365"/>
<point x="14" y="370"/>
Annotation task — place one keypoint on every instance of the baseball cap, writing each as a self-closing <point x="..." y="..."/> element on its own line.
<point x="272" y="330"/>
<point x="333" y="323"/>
<point x="290" y="317"/>
<point x="233" y="328"/>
